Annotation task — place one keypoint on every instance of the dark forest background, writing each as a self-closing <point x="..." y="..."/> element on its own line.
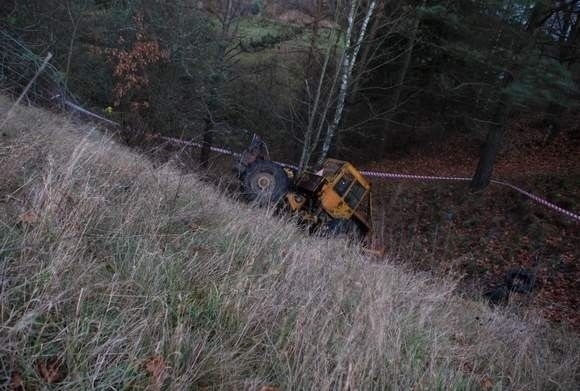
<point x="424" y="71"/>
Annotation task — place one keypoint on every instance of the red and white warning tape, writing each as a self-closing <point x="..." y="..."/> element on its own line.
<point x="223" y="151"/>
<point x="377" y="174"/>
<point x="531" y="196"/>
<point x="390" y="175"/>
<point x="539" y="200"/>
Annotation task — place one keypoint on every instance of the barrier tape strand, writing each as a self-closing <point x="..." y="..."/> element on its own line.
<point x="390" y="175"/>
<point x="376" y="174"/>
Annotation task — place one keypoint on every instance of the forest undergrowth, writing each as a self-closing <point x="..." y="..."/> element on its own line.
<point x="481" y="236"/>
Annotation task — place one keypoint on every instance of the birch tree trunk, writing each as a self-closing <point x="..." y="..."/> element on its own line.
<point x="309" y="142"/>
<point x="347" y="66"/>
<point x="364" y="59"/>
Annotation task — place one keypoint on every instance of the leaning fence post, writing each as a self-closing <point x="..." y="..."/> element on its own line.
<point x="25" y="91"/>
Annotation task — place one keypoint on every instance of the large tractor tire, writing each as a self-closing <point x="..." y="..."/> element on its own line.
<point x="520" y="281"/>
<point x="265" y="182"/>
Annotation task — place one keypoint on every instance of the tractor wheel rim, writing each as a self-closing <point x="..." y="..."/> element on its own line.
<point x="264" y="182"/>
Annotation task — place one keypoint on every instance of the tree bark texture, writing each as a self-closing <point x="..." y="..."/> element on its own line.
<point x="483" y="173"/>
<point x="348" y="62"/>
<point x="492" y="144"/>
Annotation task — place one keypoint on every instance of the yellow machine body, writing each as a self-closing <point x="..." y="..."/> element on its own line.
<point x="346" y="193"/>
<point x="338" y="197"/>
<point x="339" y="189"/>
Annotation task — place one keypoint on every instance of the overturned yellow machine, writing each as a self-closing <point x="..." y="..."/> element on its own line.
<point x="335" y="200"/>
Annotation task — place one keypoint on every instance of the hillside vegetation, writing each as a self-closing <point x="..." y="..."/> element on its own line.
<point x="120" y="274"/>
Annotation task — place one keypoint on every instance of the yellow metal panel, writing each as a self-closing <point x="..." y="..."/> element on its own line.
<point x="334" y="205"/>
<point x="332" y="202"/>
<point x="329" y="198"/>
<point x="295" y="201"/>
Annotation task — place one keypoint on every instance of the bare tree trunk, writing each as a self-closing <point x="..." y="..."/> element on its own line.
<point x="314" y="39"/>
<point x="566" y="46"/>
<point x="364" y="58"/>
<point x="309" y="143"/>
<point x="345" y="66"/>
<point x="482" y="176"/>
<point x="329" y="99"/>
<point x="229" y="13"/>
<point x="348" y="62"/>
<point x="316" y="120"/>
<point x="227" y="9"/>
<point x="485" y="74"/>
<point x="492" y="144"/>
<point x="307" y="147"/>
<point x="400" y="82"/>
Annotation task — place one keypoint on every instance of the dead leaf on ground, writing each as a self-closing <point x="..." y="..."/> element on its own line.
<point x="197" y="249"/>
<point x="487" y="384"/>
<point x="30" y="218"/>
<point x="51" y="370"/>
<point x="155" y="366"/>
<point x="467" y="367"/>
<point x="194" y="227"/>
<point x="16" y="381"/>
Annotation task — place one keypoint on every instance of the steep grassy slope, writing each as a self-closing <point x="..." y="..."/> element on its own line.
<point x="118" y="274"/>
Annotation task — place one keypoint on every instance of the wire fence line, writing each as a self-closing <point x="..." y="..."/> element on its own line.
<point x="19" y="65"/>
<point x="26" y="89"/>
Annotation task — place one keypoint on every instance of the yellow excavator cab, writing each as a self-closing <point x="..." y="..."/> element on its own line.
<point x="346" y="193"/>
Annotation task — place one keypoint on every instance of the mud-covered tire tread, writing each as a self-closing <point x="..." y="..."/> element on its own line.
<point x="280" y="187"/>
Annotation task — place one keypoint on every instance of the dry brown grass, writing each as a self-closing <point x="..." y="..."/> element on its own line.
<point x="109" y="264"/>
